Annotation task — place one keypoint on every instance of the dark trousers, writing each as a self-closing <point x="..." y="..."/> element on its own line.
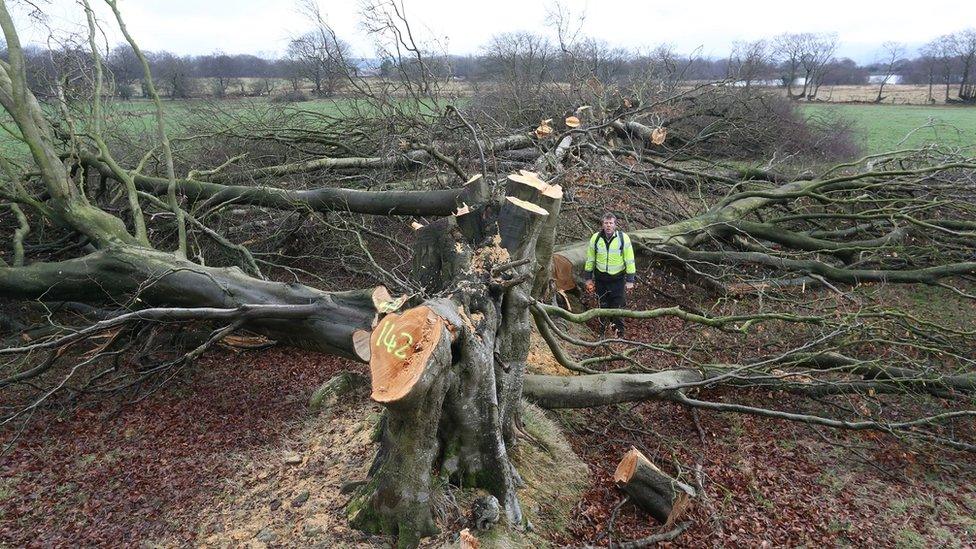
<point x="613" y="295"/>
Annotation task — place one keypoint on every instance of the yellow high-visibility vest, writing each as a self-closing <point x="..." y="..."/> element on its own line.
<point x="619" y="257"/>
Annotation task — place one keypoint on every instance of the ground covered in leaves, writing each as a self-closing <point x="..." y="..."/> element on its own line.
<point x="772" y="483"/>
<point x="229" y="455"/>
<point x="116" y="474"/>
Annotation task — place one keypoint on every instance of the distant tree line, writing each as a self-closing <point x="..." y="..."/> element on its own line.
<point x="799" y="62"/>
<point x="316" y="58"/>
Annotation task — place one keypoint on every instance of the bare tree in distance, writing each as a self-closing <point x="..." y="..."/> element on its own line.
<point x="519" y="69"/>
<point x="890" y="59"/>
<point x="964" y="46"/>
<point x="222" y="70"/>
<point x="750" y="61"/>
<point x="807" y="56"/>
<point x="817" y="61"/>
<point x="174" y="75"/>
<point x="789" y="50"/>
<point x="930" y="60"/>
<point x="321" y="58"/>
<point x="942" y="48"/>
<point x="125" y="70"/>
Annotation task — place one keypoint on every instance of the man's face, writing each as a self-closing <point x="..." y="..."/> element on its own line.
<point x="609" y="226"/>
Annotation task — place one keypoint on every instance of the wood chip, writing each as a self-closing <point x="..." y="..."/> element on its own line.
<point x="469" y="540"/>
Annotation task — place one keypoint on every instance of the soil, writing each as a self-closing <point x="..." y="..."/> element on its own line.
<point x="894" y="94"/>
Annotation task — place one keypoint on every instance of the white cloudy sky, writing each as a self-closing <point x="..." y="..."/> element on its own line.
<point x="264" y="26"/>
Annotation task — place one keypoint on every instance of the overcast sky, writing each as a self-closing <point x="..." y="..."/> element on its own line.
<point x="709" y="26"/>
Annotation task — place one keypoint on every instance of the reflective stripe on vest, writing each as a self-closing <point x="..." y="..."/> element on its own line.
<point x="613" y="262"/>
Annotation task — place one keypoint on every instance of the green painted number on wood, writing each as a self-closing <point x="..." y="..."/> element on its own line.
<point x="402" y="351"/>
<point x="388" y="340"/>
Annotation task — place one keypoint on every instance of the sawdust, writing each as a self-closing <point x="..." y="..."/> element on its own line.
<point x="271" y="503"/>
<point x="541" y="359"/>
<point x="554" y="477"/>
<point x="487" y="257"/>
<point x="469" y="322"/>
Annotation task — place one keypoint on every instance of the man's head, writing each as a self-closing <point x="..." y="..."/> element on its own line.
<point x="609" y="223"/>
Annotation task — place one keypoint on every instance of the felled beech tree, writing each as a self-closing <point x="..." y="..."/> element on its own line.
<point x="448" y="362"/>
<point x="449" y="370"/>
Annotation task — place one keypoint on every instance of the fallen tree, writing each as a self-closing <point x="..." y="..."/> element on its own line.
<point x="449" y="361"/>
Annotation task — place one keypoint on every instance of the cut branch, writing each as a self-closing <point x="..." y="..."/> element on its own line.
<point x="137" y="275"/>
<point x="592" y="390"/>
<point x="324" y="199"/>
<point x="666" y="498"/>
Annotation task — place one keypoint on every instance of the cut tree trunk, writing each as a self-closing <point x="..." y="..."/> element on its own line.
<point x="406" y="344"/>
<point x="661" y="495"/>
<point x="397" y="499"/>
<point x="449" y="370"/>
<point x="161" y="279"/>
<point x="604" y="389"/>
<point x="550" y="198"/>
<point x="324" y="199"/>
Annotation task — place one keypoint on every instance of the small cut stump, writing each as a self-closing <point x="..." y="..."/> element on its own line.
<point x="664" y="497"/>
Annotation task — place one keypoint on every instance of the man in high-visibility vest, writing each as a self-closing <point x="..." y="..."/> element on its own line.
<point x="610" y="269"/>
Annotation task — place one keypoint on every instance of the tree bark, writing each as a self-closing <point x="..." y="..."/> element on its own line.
<point x="323" y="199"/>
<point x="127" y="274"/>
<point x="451" y="400"/>
<point x="587" y="391"/>
<point x="666" y="498"/>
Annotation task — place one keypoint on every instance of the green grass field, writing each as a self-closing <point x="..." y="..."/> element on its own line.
<point x="879" y="128"/>
<point x="890" y="127"/>
<point x="138" y="117"/>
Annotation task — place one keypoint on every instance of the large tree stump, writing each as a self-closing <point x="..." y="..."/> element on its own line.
<point x="664" y="497"/>
<point x="410" y="353"/>
<point x="449" y="370"/>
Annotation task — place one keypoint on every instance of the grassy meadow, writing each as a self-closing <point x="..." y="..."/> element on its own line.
<point x="883" y="128"/>
<point x="879" y="128"/>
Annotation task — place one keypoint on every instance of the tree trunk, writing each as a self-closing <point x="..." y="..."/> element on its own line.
<point x="160" y="279"/>
<point x="449" y="371"/>
<point x="604" y="389"/>
<point x="931" y="81"/>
